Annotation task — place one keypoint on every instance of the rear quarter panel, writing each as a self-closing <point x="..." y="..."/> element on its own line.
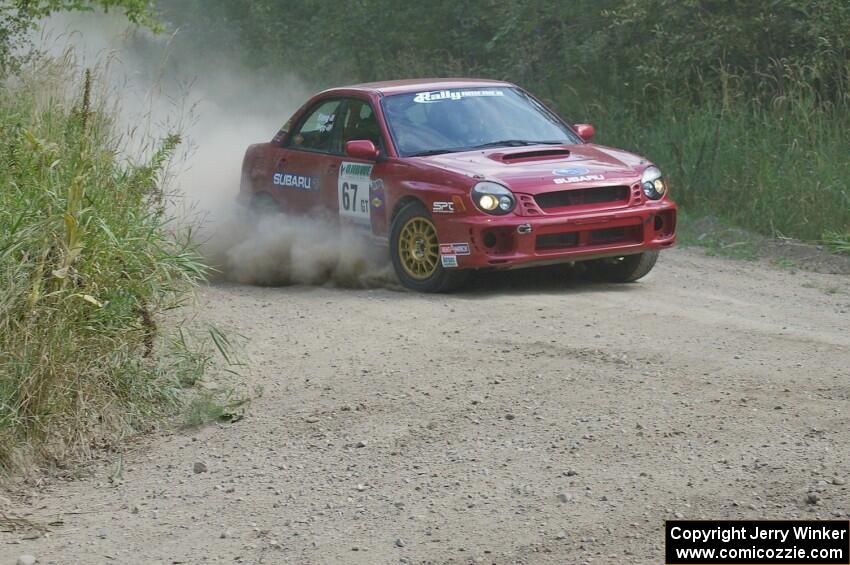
<point x="255" y="168"/>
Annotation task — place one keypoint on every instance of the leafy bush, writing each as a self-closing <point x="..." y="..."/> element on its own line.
<point x="89" y="263"/>
<point x="19" y="17"/>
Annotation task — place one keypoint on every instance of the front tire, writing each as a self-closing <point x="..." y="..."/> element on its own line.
<point x="623" y="269"/>
<point x="415" y="252"/>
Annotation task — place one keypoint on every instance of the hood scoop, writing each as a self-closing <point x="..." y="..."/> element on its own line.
<point x="536" y="155"/>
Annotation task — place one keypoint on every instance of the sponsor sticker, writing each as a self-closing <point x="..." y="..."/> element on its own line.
<point x="454" y="249"/>
<point x="570" y="172"/>
<point x="376" y="193"/>
<point x="448" y="261"/>
<point x="354" y="187"/>
<point x="443" y="208"/>
<point x="291" y="180"/>
<point x="440" y="95"/>
<point x="326" y="122"/>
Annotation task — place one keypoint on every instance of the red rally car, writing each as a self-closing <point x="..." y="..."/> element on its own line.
<point x="456" y="175"/>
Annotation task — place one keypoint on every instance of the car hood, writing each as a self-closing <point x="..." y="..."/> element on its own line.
<point x="543" y="168"/>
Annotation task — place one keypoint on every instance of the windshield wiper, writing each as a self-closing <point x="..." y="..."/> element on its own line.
<point x="515" y="143"/>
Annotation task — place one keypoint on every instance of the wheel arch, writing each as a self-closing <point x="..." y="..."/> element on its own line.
<point x="402" y="202"/>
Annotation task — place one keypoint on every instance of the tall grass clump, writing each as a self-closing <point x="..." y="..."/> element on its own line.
<point x="89" y="263"/>
<point x="778" y="166"/>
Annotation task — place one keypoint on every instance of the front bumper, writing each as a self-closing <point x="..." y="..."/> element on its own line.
<point x="513" y="241"/>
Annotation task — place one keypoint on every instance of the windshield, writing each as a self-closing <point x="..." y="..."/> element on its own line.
<point x="446" y="121"/>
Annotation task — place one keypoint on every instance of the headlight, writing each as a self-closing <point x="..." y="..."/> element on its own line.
<point x="652" y="183"/>
<point x="493" y="198"/>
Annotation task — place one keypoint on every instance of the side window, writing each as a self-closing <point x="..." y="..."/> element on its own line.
<point x="361" y="123"/>
<point x="316" y="133"/>
<point x="281" y="133"/>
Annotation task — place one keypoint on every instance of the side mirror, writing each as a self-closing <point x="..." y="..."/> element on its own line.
<point x="361" y="149"/>
<point x="585" y="131"/>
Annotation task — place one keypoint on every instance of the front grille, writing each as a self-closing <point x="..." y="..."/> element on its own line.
<point x="557" y="240"/>
<point x="607" y="236"/>
<point x="583" y="238"/>
<point x="583" y="197"/>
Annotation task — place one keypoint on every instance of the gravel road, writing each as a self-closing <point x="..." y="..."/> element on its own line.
<point x="531" y="420"/>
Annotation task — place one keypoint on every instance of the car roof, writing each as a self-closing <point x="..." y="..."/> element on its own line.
<point x="421" y="84"/>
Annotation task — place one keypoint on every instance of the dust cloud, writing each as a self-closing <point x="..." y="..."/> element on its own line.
<point x="218" y="108"/>
<point x="274" y="250"/>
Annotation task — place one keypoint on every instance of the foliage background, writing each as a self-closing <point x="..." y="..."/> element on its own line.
<point x="744" y="104"/>
<point x="18" y="18"/>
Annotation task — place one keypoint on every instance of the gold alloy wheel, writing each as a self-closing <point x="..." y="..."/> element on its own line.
<point x="418" y="248"/>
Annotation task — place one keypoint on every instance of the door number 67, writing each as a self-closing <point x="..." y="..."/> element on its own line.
<point x="349" y="201"/>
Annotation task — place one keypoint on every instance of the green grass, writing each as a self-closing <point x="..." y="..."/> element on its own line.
<point x="780" y="170"/>
<point x="207" y="407"/>
<point x="837" y="242"/>
<point x="89" y="263"/>
<point x="717" y="237"/>
<point x="203" y="409"/>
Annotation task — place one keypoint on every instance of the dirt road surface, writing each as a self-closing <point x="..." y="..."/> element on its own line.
<point x="529" y="421"/>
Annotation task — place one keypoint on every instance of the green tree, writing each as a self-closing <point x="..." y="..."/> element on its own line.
<point x="18" y="17"/>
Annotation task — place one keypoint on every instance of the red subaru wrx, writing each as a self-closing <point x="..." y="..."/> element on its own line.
<point x="456" y="175"/>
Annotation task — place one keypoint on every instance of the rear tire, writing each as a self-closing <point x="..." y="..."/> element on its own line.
<point x="622" y="269"/>
<point x="414" y="251"/>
